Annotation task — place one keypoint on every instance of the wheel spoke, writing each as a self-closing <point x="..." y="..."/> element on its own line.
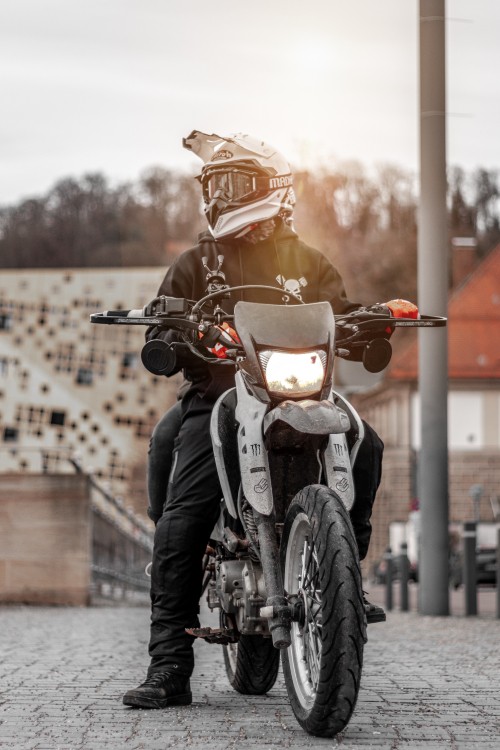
<point x="306" y="553"/>
<point x="313" y="655"/>
<point x="311" y="569"/>
<point x="307" y="640"/>
<point x="315" y="615"/>
<point x="312" y="598"/>
<point x="308" y="570"/>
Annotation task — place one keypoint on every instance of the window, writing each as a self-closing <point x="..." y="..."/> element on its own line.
<point x="10" y="434"/>
<point x="57" y="417"/>
<point x="84" y="376"/>
<point x="5" y="321"/>
<point x="130" y="359"/>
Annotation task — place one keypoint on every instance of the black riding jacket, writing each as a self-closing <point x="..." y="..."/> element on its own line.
<point x="283" y="261"/>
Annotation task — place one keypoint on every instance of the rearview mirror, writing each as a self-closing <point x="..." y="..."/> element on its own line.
<point x="377" y="355"/>
<point x="158" y="357"/>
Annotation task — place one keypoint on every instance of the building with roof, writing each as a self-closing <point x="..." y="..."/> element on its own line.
<point x="392" y="407"/>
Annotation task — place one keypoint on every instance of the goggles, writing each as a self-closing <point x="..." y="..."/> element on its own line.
<point x="239" y="185"/>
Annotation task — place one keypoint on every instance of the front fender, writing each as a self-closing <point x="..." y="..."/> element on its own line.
<point x="309" y="417"/>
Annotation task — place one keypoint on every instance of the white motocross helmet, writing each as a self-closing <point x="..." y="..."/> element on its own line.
<point x="244" y="180"/>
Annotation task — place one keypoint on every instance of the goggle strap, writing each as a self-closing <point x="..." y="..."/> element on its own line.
<point x="276" y="182"/>
<point x="261" y="182"/>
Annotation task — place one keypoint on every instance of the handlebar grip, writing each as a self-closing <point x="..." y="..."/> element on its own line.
<point x="109" y="317"/>
<point x="124" y="313"/>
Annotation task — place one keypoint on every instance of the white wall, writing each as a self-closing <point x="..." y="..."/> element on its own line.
<point x="466" y="420"/>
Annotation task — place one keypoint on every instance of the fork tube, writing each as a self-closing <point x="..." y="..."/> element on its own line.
<point x="279" y="624"/>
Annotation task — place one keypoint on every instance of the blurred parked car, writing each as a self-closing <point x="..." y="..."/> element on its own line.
<point x="486" y="567"/>
<point x="486" y="561"/>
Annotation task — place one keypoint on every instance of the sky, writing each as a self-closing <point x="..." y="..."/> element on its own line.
<point x="114" y="85"/>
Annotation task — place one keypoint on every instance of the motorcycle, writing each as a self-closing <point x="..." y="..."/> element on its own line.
<point x="282" y="565"/>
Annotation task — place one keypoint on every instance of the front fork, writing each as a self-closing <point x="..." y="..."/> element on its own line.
<point x="277" y="609"/>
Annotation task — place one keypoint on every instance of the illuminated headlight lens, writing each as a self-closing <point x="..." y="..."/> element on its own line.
<point x="291" y="374"/>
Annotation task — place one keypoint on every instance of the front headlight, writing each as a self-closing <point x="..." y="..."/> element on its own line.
<point x="291" y="374"/>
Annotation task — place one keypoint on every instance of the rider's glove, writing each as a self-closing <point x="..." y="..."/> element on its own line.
<point x="220" y="339"/>
<point x="395" y="308"/>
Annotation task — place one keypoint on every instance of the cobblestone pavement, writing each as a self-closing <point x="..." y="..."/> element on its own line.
<point x="427" y="683"/>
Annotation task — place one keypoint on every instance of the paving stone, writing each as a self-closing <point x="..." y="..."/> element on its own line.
<point x="427" y="683"/>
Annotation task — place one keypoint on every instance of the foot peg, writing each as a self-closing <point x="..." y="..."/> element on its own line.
<point x="215" y="635"/>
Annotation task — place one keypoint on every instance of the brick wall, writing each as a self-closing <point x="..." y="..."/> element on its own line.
<point x="393" y="503"/>
<point x="393" y="500"/>
<point x="466" y="469"/>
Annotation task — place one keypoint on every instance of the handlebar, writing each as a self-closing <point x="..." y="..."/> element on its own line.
<point x="136" y="318"/>
<point x="366" y="320"/>
<point x="126" y="317"/>
<point x="353" y="324"/>
<point x="373" y="320"/>
<point x="360" y="334"/>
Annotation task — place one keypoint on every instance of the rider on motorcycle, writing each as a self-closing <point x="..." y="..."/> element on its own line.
<point x="248" y="200"/>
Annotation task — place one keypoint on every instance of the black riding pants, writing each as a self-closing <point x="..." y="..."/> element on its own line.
<point x="190" y="512"/>
<point x="367" y="474"/>
<point x="189" y="515"/>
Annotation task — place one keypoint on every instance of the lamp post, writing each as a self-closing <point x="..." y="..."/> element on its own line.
<point x="433" y="296"/>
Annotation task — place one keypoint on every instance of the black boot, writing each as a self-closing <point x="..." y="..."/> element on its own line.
<point x="159" y="690"/>
<point x="374" y="613"/>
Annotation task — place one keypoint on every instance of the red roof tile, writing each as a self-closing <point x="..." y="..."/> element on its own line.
<point x="473" y="329"/>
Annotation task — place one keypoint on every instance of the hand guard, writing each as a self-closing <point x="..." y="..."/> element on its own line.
<point x="402" y="308"/>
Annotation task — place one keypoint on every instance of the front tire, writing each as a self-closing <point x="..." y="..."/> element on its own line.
<point x="252" y="664"/>
<point x="322" y="666"/>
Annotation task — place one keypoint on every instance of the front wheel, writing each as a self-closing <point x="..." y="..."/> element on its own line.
<point x="322" y="666"/>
